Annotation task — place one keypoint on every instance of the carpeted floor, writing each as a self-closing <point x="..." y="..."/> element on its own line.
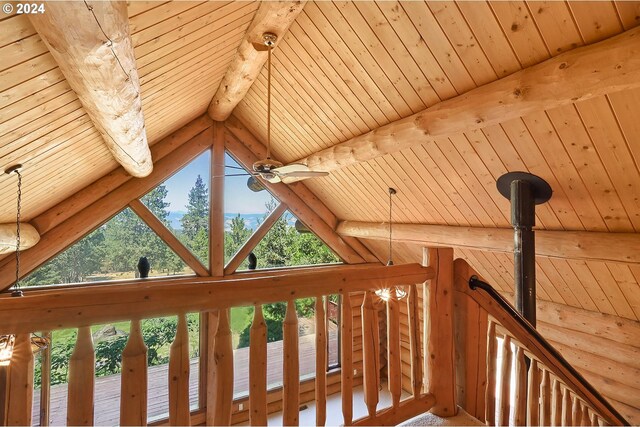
<point x="428" y="419"/>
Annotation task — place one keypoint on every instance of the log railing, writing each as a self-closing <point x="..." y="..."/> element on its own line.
<point x="527" y="382"/>
<point x="82" y="307"/>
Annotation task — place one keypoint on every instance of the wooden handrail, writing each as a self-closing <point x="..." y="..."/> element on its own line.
<point x="145" y="298"/>
<point x="526" y="334"/>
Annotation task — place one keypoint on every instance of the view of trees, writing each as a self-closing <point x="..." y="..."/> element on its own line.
<point x="113" y="250"/>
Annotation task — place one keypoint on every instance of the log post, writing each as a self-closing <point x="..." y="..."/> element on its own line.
<point x="20" y="383"/>
<point x="81" y="380"/>
<point x="346" y="359"/>
<point x="223" y="365"/>
<point x="133" y="389"/>
<point x="321" y="362"/>
<point x="291" y="368"/>
<point x="520" y="402"/>
<point x="439" y="332"/>
<point x="533" y="394"/>
<point x="545" y="399"/>
<point x="556" y="404"/>
<point x="394" y="369"/>
<point x="414" y="341"/>
<point x="179" y="413"/>
<point x="505" y="382"/>
<point x="492" y="360"/>
<point x="258" y="369"/>
<point x="566" y="408"/>
<point x="370" y="350"/>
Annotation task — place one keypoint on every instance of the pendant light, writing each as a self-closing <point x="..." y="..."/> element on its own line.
<point x="385" y="293"/>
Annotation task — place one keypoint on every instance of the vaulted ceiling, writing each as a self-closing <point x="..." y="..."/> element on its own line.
<point x="343" y="69"/>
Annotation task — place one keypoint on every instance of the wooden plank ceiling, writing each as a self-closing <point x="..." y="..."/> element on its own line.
<point x="347" y="68"/>
<point x="343" y="69"/>
<point x="182" y="51"/>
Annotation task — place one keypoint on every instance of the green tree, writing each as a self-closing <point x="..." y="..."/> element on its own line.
<point x="197" y="217"/>
<point x="235" y="237"/>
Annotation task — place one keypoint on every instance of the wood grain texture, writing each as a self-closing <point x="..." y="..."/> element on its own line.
<point x="81" y="380"/>
<point x="29" y="236"/>
<point x="223" y="359"/>
<point x="275" y="17"/>
<point x="321" y="362"/>
<point x="579" y="74"/>
<point x="216" y="207"/>
<point x="439" y="331"/>
<point x="586" y="245"/>
<point x="346" y="358"/>
<point x="370" y="350"/>
<point x="133" y="389"/>
<point x="258" y="369"/>
<point x="290" y="368"/>
<point x="179" y="412"/>
<point x="19" y="392"/>
<point x="102" y="73"/>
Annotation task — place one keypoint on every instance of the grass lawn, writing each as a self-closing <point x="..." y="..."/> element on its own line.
<point x="241" y="317"/>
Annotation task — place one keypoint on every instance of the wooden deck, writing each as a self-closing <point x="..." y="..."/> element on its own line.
<point x="107" y="389"/>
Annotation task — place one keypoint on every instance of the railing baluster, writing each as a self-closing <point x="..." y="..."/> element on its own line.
<point x="133" y="389"/>
<point x="346" y="358"/>
<point x="223" y="359"/>
<point x="533" y="394"/>
<point x="566" y="408"/>
<point x="414" y="341"/>
<point x="556" y="405"/>
<point x="520" y="402"/>
<point x="291" y="381"/>
<point x="576" y="412"/>
<point x="20" y="378"/>
<point x="584" y="416"/>
<point x="321" y="363"/>
<point x="179" y="413"/>
<point x="394" y="369"/>
<point x="370" y="348"/>
<point x="545" y="399"/>
<point x="492" y="360"/>
<point x="505" y="382"/>
<point x="594" y="420"/>
<point x="45" y="381"/>
<point x="258" y="369"/>
<point x="81" y="380"/>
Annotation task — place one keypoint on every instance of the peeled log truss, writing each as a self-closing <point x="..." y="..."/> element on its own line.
<point x="436" y="99"/>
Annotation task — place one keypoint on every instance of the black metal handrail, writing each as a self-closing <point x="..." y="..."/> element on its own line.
<point x="475" y="283"/>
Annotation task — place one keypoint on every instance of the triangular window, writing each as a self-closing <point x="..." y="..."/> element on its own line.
<point x="111" y="252"/>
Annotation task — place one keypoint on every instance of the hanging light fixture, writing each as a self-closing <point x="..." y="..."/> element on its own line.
<point x="7" y="342"/>
<point x="385" y="293"/>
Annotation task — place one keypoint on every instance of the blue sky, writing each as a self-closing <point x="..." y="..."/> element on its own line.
<point x="238" y="198"/>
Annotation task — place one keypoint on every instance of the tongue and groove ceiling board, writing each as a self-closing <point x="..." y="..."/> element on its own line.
<point x="182" y="50"/>
<point x="345" y="68"/>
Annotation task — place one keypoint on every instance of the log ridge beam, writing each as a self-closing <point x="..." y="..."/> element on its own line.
<point x="98" y="61"/>
<point x="271" y="17"/>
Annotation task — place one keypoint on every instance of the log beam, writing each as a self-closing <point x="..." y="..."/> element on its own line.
<point x="144" y="298"/>
<point x="609" y="66"/>
<point x="586" y="245"/>
<point x="29" y="236"/>
<point x="271" y="17"/>
<point x="98" y="61"/>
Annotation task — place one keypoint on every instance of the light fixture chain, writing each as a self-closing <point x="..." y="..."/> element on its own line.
<point x="392" y="191"/>
<point x="19" y="207"/>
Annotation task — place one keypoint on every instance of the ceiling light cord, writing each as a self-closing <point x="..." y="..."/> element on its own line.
<point x="269" y="45"/>
<point x="392" y="191"/>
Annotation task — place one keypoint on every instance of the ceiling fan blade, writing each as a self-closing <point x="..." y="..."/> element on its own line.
<point x="303" y="174"/>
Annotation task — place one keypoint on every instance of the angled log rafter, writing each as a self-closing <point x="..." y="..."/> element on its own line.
<point x="168" y="237"/>
<point x="609" y="66"/>
<point x="286" y="194"/>
<point x="320" y="210"/>
<point x="98" y="61"/>
<point x="255" y="238"/>
<point x="101" y="200"/>
<point x="586" y="245"/>
<point x="272" y="16"/>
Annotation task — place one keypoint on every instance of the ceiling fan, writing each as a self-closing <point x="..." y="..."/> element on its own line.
<point x="269" y="169"/>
